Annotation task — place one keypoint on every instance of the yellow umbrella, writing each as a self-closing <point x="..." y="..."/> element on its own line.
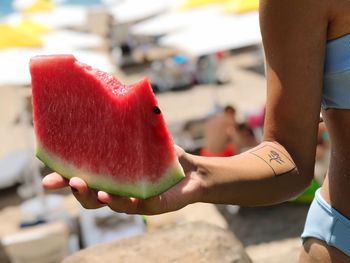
<point x="39" y="6"/>
<point x="28" y="25"/>
<point x="242" y="6"/>
<point x="197" y="3"/>
<point x="17" y="37"/>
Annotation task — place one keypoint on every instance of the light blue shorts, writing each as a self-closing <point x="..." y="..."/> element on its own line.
<point x="325" y="223"/>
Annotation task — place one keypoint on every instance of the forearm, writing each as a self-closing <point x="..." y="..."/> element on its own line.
<point x="264" y="175"/>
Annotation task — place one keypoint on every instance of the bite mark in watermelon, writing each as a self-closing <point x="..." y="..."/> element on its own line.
<point x="88" y="124"/>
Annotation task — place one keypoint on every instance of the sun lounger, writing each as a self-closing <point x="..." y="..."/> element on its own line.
<point x="13" y="166"/>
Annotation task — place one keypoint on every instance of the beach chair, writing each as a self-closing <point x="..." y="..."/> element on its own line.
<point x="13" y="167"/>
<point x="47" y="243"/>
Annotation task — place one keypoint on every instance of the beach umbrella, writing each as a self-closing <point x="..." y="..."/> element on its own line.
<point x="33" y="6"/>
<point x="24" y="33"/>
<point x="198" y="3"/>
<point x="71" y="40"/>
<point x="34" y="27"/>
<point x="175" y="20"/>
<point x="15" y="71"/>
<point x="12" y="36"/>
<point x="242" y="6"/>
<point x="60" y="17"/>
<point x="134" y="10"/>
<point x="39" y="6"/>
<point x="224" y="32"/>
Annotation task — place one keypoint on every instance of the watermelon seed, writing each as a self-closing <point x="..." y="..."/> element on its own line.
<point x="156" y="110"/>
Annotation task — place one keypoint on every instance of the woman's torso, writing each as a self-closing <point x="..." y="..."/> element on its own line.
<point x="336" y="188"/>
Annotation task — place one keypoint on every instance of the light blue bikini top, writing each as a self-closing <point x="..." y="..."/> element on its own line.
<point x="336" y="82"/>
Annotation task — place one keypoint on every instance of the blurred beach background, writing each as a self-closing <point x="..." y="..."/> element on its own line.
<point x="199" y="55"/>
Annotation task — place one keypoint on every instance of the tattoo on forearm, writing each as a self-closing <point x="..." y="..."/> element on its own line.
<point x="279" y="162"/>
<point x="274" y="156"/>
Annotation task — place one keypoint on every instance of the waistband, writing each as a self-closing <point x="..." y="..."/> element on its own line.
<point x="325" y="223"/>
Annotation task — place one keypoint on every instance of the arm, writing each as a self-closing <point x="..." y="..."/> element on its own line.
<point x="294" y="36"/>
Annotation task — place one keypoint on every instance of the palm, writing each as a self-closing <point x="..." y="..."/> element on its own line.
<point x="175" y="198"/>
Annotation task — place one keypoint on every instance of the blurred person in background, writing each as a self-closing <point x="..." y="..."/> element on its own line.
<point x="307" y="49"/>
<point x="245" y="138"/>
<point x="255" y="121"/>
<point x="219" y="134"/>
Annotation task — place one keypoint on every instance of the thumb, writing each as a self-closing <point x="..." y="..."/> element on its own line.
<point x="185" y="159"/>
<point x="179" y="151"/>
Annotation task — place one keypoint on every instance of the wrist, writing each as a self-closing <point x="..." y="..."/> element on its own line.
<point x="201" y="176"/>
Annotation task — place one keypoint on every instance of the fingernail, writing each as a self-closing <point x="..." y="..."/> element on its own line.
<point x="101" y="195"/>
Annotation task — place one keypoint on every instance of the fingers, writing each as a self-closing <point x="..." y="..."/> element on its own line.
<point x="54" y="181"/>
<point x="120" y="204"/>
<point x="86" y="196"/>
<point x="150" y="206"/>
<point x="175" y="198"/>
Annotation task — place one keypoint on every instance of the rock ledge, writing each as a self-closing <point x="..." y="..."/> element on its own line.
<point x="186" y="243"/>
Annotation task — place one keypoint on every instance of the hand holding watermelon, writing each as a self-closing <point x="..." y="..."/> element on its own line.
<point x="185" y="192"/>
<point x="100" y="134"/>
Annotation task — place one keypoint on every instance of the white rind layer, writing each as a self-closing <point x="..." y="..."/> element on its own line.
<point x="141" y="189"/>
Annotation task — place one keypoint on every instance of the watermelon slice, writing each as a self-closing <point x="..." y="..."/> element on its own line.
<point x="89" y="125"/>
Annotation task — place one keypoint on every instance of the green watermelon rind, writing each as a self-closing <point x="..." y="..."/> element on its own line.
<point x="142" y="190"/>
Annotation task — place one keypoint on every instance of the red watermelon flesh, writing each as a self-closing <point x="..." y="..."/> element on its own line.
<point x="89" y="125"/>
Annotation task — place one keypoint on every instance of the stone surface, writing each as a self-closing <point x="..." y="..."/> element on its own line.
<point x="3" y="257"/>
<point x="203" y="212"/>
<point x="286" y="251"/>
<point x="187" y="243"/>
